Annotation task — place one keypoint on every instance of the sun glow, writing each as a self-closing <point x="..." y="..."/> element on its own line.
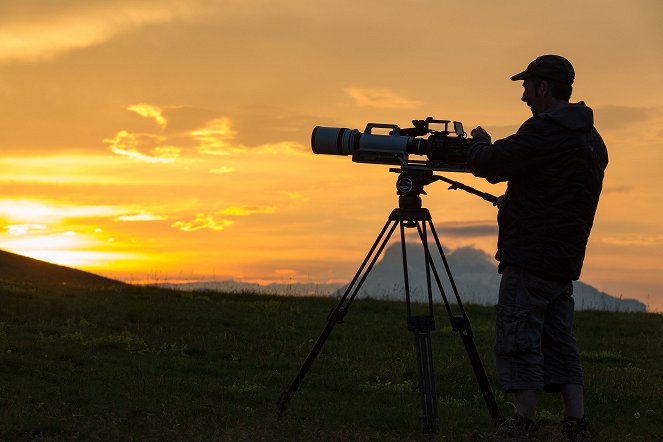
<point x="60" y="233"/>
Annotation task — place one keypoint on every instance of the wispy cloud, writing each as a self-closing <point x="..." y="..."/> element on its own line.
<point x="633" y="239"/>
<point x="38" y="212"/>
<point x="23" y="229"/>
<point x="36" y="31"/>
<point x="219" y="220"/>
<point x="215" y="138"/>
<point x="212" y="136"/>
<point x="380" y="98"/>
<point x="618" y="189"/>
<point x="203" y="221"/>
<point x="143" y="147"/>
<point x="247" y="210"/>
<point x="142" y="216"/>
<point x="150" y="111"/>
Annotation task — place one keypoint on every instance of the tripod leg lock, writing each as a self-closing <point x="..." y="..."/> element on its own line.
<point x="420" y="324"/>
<point x="461" y="324"/>
<point x="336" y="315"/>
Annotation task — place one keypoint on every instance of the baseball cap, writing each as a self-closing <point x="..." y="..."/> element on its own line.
<point x="549" y="67"/>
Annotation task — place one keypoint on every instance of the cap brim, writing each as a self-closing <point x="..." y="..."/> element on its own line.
<point x="522" y="76"/>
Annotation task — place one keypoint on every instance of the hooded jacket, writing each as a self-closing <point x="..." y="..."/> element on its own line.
<point x="554" y="166"/>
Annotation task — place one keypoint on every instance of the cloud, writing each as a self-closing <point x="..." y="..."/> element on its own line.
<point x="633" y="239"/>
<point x="143" y="147"/>
<point x="189" y="128"/>
<point x="218" y="221"/>
<point x="203" y="221"/>
<point x="469" y="229"/>
<point x="150" y="111"/>
<point x="42" y="30"/>
<point x="380" y="98"/>
<point x="620" y="117"/>
<point x="142" y="216"/>
<point x="214" y="138"/>
<point x="247" y="210"/>
<point x="618" y="189"/>
<point x="37" y="212"/>
<point x="23" y="229"/>
<point x="217" y="137"/>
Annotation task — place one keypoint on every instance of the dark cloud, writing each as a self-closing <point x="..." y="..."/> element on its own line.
<point x="468" y="229"/>
<point x="620" y="117"/>
<point x="618" y="189"/>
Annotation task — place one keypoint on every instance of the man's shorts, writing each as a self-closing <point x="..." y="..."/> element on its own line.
<point x="534" y="345"/>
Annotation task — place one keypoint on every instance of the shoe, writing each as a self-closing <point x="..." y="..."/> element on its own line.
<point x="516" y="426"/>
<point x="574" y="428"/>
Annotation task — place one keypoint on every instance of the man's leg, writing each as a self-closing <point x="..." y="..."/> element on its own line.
<point x="519" y="324"/>
<point x="526" y="403"/>
<point x="573" y="400"/>
<point x="563" y="371"/>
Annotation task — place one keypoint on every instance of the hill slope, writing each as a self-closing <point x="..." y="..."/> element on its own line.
<point x="17" y="270"/>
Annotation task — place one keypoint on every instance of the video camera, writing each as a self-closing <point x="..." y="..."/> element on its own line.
<point x="444" y="151"/>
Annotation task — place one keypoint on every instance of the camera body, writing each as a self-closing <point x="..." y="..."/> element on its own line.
<point x="443" y="151"/>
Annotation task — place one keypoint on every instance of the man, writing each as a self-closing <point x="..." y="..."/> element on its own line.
<point x="554" y="167"/>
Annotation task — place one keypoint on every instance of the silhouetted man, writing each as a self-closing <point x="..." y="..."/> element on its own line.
<point x="554" y="167"/>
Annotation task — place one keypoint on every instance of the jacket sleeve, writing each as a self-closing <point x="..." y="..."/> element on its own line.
<point x="511" y="156"/>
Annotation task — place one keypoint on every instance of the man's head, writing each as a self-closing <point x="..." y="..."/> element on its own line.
<point x="547" y="79"/>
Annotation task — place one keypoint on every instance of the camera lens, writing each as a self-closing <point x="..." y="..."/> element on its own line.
<point x="333" y="140"/>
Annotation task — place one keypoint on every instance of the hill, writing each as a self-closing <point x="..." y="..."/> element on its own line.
<point x="21" y="271"/>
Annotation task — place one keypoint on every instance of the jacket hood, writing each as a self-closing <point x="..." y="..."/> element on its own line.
<point x="574" y="116"/>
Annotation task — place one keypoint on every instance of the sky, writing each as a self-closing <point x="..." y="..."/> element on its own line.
<point x="168" y="140"/>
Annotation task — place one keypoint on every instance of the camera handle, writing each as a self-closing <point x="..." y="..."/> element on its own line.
<point x="494" y="200"/>
<point x="395" y="130"/>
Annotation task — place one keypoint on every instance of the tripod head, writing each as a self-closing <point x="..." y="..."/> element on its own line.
<point x="412" y="179"/>
<point x="410" y="186"/>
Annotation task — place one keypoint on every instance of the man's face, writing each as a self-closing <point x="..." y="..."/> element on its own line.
<point x="533" y="96"/>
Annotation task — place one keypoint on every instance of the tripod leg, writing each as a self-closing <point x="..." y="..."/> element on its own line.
<point x="461" y="324"/>
<point x="479" y="372"/>
<point x="422" y="327"/>
<point x="338" y="313"/>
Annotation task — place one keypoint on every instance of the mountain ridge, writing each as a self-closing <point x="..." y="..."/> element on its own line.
<point x="474" y="272"/>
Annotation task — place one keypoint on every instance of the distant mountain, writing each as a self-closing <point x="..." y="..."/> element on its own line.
<point x="21" y="271"/>
<point x="475" y="275"/>
<point x="474" y="272"/>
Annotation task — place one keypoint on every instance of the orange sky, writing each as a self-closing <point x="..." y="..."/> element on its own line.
<point x="169" y="139"/>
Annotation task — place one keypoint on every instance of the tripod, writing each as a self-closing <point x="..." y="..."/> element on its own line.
<point x="411" y="215"/>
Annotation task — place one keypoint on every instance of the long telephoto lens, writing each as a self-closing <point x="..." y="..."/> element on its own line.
<point x="334" y="140"/>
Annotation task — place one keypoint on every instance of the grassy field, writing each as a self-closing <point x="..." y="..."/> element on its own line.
<point x="130" y="363"/>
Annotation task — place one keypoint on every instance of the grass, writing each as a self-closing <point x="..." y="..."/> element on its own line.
<point x="129" y="363"/>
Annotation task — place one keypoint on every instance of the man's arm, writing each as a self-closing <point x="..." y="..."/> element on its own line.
<point x="509" y="157"/>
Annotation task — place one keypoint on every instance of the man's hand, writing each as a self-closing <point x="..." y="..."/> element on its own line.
<point x="479" y="132"/>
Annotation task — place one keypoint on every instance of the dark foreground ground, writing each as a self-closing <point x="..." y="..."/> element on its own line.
<point x="127" y="363"/>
